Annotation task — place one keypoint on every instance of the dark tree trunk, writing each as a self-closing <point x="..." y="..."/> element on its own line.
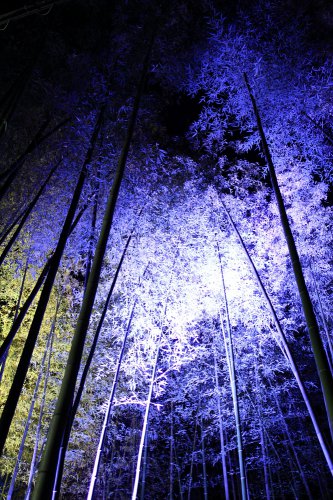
<point x="19" y="378"/>
<point x="14" y="169"/>
<point x="47" y="471"/>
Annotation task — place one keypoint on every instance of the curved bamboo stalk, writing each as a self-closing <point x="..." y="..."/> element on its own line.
<point x="286" y="349"/>
<point x="323" y="369"/>
<point x="233" y="383"/>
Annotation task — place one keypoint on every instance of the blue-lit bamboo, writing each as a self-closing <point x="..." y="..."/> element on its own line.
<point x="323" y="369"/>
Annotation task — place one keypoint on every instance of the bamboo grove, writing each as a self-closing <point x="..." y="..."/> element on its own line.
<point x="166" y="250"/>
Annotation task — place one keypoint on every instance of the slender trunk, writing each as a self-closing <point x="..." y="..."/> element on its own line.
<point x="10" y="226"/>
<point x="150" y="393"/>
<point x="233" y="384"/>
<point x="109" y="407"/>
<point x="4" y="486"/>
<point x="204" y="471"/>
<point x="47" y="471"/>
<point x="192" y="455"/>
<point x="91" y="245"/>
<point x="171" y="454"/>
<point x="247" y="485"/>
<point x="233" y="485"/>
<point x="223" y="451"/>
<point x="323" y="370"/>
<point x="31" y="409"/>
<point x="91" y="237"/>
<point x="178" y="472"/>
<point x="19" y="378"/>
<point x="261" y="431"/>
<point x="145" y="423"/>
<point x="28" y="211"/>
<point x="16" y="166"/>
<point x="291" y="445"/>
<point x="271" y="445"/>
<point x="144" y="467"/>
<point x="269" y="465"/>
<point x="40" y="417"/>
<point x="134" y="446"/>
<point x="324" y="322"/>
<point x="290" y="464"/>
<point x="64" y="444"/>
<point x="265" y="461"/>
<point x="285" y="349"/>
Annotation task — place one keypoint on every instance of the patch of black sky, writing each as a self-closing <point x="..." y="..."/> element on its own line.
<point x="318" y="177"/>
<point x="179" y="112"/>
<point x="84" y="25"/>
<point x="213" y="173"/>
<point x="235" y="135"/>
<point x="328" y="202"/>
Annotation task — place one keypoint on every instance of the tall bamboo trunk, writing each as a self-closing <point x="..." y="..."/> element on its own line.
<point x="102" y="436"/>
<point x="323" y="370"/>
<point x="178" y="471"/>
<point x="145" y="423"/>
<point x="23" y="366"/>
<point x="203" y="454"/>
<point x="324" y="323"/>
<point x="40" y="417"/>
<point x="291" y="445"/>
<point x="233" y="383"/>
<point x="171" y="459"/>
<point x="269" y="441"/>
<point x="91" y="236"/>
<point x="144" y="466"/>
<point x="192" y="455"/>
<point x="285" y="349"/>
<point x="69" y="424"/>
<point x="223" y="451"/>
<point x="31" y="409"/>
<point x="261" y="431"/>
<point x="47" y="471"/>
